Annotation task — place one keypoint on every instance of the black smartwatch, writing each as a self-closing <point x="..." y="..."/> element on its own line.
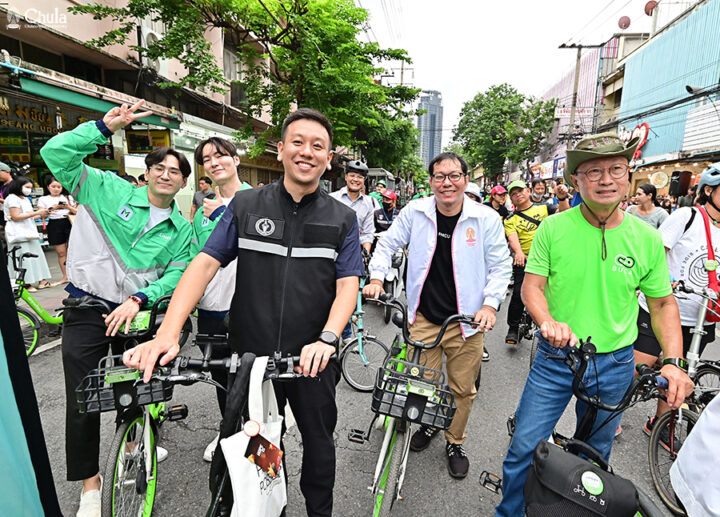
<point x="677" y="361"/>
<point x="329" y="338"/>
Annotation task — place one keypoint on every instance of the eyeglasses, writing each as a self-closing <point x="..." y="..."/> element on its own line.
<point x="438" y="177"/>
<point x="160" y="170"/>
<point x="616" y="172"/>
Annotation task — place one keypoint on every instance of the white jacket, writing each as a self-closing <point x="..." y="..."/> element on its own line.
<point x="481" y="260"/>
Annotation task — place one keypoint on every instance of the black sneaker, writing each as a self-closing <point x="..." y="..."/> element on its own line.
<point x="458" y="463"/>
<point x="486" y="356"/>
<point x="648" y="427"/>
<point x="422" y="438"/>
<point x="512" y="336"/>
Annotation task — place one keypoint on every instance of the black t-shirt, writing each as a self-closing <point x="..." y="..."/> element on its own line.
<point x="502" y="211"/>
<point x="438" y="299"/>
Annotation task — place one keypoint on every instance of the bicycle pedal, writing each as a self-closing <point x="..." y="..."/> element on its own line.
<point x="357" y="436"/>
<point x="511" y="425"/>
<point x="178" y="412"/>
<point x="491" y="481"/>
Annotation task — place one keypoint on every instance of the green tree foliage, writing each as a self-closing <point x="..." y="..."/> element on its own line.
<point x="503" y="123"/>
<point x="291" y="52"/>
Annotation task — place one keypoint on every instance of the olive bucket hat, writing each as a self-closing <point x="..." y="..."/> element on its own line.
<point x="604" y="145"/>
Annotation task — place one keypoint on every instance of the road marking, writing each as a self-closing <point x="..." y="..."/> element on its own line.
<point x="47" y="346"/>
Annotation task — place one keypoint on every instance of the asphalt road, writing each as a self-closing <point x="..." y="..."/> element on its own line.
<point x="428" y="490"/>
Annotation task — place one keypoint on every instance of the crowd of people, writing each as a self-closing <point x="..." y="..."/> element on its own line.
<point x="278" y="268"/>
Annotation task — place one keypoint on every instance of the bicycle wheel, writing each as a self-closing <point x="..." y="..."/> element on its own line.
<point x="127" y="489"/>
<point x="707" y="384"/>
<point x="533" y="349"/>
<point x="387" y="495"/>
<point x="666" y="439"/>
<point x="29" y="327"/>
<point x="357" y="373"/>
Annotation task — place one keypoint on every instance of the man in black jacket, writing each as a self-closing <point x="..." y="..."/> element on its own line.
<point x="298" y="258"/>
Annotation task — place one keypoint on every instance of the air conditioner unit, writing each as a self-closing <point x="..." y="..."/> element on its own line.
<point x="159" y="65"/>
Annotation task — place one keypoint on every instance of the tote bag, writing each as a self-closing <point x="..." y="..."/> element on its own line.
<point x="256" y="493"/>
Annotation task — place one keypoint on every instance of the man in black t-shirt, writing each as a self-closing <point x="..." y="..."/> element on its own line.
<point x="458" y="262"/>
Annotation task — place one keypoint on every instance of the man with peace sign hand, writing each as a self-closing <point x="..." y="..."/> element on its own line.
<point x="129" y="246"/>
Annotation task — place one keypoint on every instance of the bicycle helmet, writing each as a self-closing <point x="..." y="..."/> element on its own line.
<point x="710" y="177"/>
<point x="356" y="166"/>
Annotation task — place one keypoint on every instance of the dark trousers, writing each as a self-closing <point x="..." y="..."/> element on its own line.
<point x="217" y="326"/>
<point x="516" y="306"/>
<point x="84" y="343"/>
<point x="313" y="404"/>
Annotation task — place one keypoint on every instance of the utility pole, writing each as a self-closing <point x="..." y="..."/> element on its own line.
<point x="573" y="106"/>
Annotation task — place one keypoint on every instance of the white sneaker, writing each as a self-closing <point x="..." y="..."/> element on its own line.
<point x="162" y="453"/>
<point x="210" y="449"/>
<point x="90" y="503"/>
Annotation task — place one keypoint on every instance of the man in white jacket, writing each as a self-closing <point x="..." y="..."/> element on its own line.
<point x="458" y="262"/>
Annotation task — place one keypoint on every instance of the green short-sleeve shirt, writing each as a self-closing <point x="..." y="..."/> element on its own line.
<point x="597" y="298"/>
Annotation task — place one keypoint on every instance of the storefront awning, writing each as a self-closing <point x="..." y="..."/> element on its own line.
<point x="85" y="101"/>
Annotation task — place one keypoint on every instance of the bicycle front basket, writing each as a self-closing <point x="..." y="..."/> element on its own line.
<point x="114" y="386"/>
<point x="413" y="392"/>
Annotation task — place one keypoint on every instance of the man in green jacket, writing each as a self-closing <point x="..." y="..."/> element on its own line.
<point x="129" y="246"/>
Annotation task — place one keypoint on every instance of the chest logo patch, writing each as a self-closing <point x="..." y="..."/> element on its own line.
<point x="125" y="213"/>
<point x="205" y="222"/>
<point x="470" y="237"/>
<point x="623" y="261"/>
<point x="265" y="226"/>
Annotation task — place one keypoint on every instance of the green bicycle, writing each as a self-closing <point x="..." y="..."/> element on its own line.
<point x="405" y="393"/>
<point x="130" y="473"/>
<point x="29" y="322"/>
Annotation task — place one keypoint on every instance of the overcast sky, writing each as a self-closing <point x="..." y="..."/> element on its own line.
<point x="462" y="47"/>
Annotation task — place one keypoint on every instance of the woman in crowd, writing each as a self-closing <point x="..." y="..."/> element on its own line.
<point x="20" y="230"/>
<point x="646" y="208"/>
<point x="60" y="205"/>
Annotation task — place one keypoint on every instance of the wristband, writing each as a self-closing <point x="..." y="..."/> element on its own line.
<point x="563" y="199"/>
<point x="136" y="299"/>
<point x="677" y="361"/>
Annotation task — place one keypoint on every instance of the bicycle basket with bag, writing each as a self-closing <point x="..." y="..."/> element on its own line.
<point x="560" y="483"/>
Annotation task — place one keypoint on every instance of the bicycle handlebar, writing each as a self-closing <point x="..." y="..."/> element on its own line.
<point x="646" y="380"/>
<point x="705" y="292"/>
<point x="386" y="299"/>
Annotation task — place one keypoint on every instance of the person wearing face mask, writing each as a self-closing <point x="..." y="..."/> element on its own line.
<point x="385" y="215"/>
<point x="20" y="230"/>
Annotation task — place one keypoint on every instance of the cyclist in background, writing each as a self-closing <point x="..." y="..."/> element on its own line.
<point x="685" y="241"/>
<point x="129" y="246"/>
<point x="380" y="187"/>
<point x="520" y="228"/>
<point x="220" y="160"/>
<point x="421" y="192"/>
<point x="458" y="262"/>
<point x="352" y="196"/>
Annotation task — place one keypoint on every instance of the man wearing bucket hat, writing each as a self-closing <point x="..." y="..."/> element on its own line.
<point x="584" y="267"/>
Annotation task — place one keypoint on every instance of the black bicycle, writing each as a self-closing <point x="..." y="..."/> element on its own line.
<point x="644" y="387"/>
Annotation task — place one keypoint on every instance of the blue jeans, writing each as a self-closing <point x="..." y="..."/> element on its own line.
<point x="347" y="331"/>
<point x="547" y="392"/>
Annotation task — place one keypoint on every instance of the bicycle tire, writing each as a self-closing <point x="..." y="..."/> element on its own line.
<point x="387" y="309"/>
<point x="29" y="327"/>
<point x="384" y="506"/>
<point x="707" y="384"/>
<point x="357" y="374"/>
<point x="533" y="349"/>
<point x="647" y="508"/>
<point x="661" y="458"/>
<point x="122" y="496"/>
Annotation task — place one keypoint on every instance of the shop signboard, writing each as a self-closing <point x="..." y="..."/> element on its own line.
<point x="546" y="170"/>
<point x="146" y="141"/>
<point x="48" y="119"/>
<point x="559" y="167"/>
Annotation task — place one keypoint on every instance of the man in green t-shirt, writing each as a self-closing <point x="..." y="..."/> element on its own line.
<point x="580" y="280"/>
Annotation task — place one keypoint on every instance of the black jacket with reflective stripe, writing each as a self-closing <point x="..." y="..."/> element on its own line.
<point x="286" y="277"/>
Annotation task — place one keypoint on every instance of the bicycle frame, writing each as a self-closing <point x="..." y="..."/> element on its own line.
<point x="357" y="319"/>
<point x="39" y="309"/>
